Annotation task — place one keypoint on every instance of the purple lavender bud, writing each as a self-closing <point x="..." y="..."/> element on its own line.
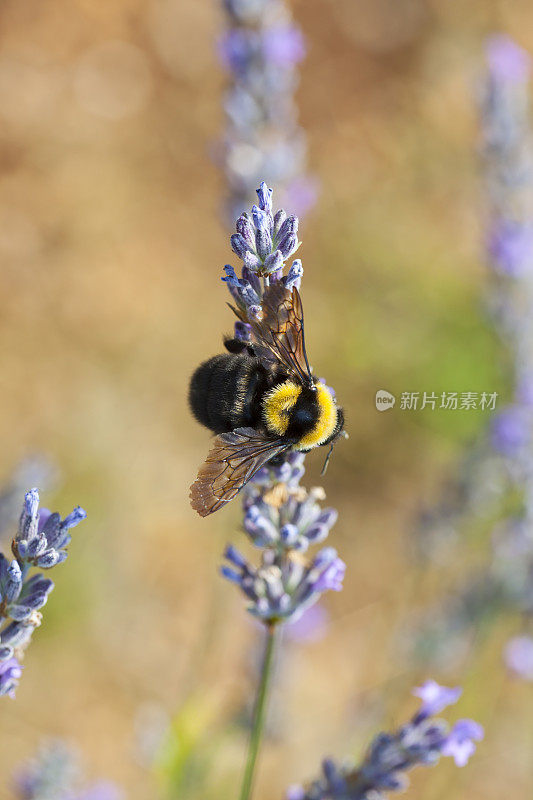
<point x="29" y="519"/>
<point x="33" y="597"/>
<point x="245" y="228"/>
<point x="261" y="220"/>
<point x="243" y="331"/>
<point x="316" y="533"/>
<point x="518" y="656"/>
<point x="284" y="46"/>
<point x="10" y="673"/>
<point x="288" y="226"/>
<point x="44" y="514"/>
<point x="231" y="575"/>
<point x="511" y="248"/>
<point x="279" y="218"/>
<point x="16" y="634"/>
<point x="230" y="277"/>
<point x="4" y="567"/>
<point x="328" y="517"/>
<point x="334" y="777"/>
<point x="248" y="295"/>
<point x="289" y="534"/>
<point x="511" y="430"/>
<point x="288" y="245"/>
<point x="38" y="583"/>
<point x="507" y="61"/>
<point x="294" y="276"/>
<point x="524" y="390"/>
<point x="52" y="530"/>
<point x="236" y="51"/>
<point x="13" y="583"/>
<point x="76" y="516"/>
<point x="22" y="549"/>
<point x="251" y="260"/>
<point x="460" y="741"/>
<point x="263" y="243"/>
<point x="259" y="527"/>
<point x="50" y="559"/>
<point x="295" y="793"/>
<point x="21" y="611"/>
<point x="253" y="280"/>
<point x="273" y="262"/>
<point x="435" y="698"/>
<point x="238" y="245"/>
<point x="264" y="195"/>
<point x="332" y="571"/>
<point x="36" y="546"/>
<point x="31" y="502"/>
<point x="232" y="554"/>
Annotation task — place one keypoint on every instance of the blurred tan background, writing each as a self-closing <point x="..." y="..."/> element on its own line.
<point x="111" y="249"/>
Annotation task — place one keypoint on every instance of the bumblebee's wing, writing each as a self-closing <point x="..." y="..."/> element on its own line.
<point x="234" y="458"/>
<point x="280" y="331"/>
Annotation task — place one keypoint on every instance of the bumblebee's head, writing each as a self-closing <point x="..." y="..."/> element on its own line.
<point x="309" y="415"/>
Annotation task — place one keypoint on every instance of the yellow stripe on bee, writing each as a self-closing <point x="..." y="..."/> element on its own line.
<point x="276" y="406"/>
<point x="327" y="419"/>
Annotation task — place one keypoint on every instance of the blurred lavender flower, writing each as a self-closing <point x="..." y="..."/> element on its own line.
<point x="40" y="542"/>
<point x="10" y="672"/>
<point x="50" y="774"/>
<point x="311" y="626"/>
<point x="507" y="61"/>
<point x="421" y="742"/>
<point x="518" y="656"/>
<point x="261" y="50"/>
<point x="435" y="698"/>
<point x="503" y="460"/>
<point x="54" y="774"/>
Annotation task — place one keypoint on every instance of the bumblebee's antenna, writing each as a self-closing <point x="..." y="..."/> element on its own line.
<point x="344" y="435"/>
<point x="326" y="462"/>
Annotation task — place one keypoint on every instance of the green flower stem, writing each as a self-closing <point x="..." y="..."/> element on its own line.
<point x="259" y="712"/>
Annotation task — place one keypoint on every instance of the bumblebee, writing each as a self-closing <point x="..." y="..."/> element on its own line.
<point x="261" y="399"/>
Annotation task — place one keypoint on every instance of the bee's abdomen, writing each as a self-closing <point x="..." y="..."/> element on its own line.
<point x="224" y="390"/>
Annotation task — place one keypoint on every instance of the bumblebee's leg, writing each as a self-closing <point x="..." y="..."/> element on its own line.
<point x="238" y="346"/>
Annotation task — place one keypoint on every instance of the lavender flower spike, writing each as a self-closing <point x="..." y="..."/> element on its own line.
<point x="264" y="242"/>
<point x="284" y="520"/>
<point x="41" y="541"/>
<point x="260" y="50"/>
<point x="496" y="484"/>
<point x="281" y="518"/>
<point x="54" y="774"/>
<point x="421" y="742"/>
<point x="282" y="589"/>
